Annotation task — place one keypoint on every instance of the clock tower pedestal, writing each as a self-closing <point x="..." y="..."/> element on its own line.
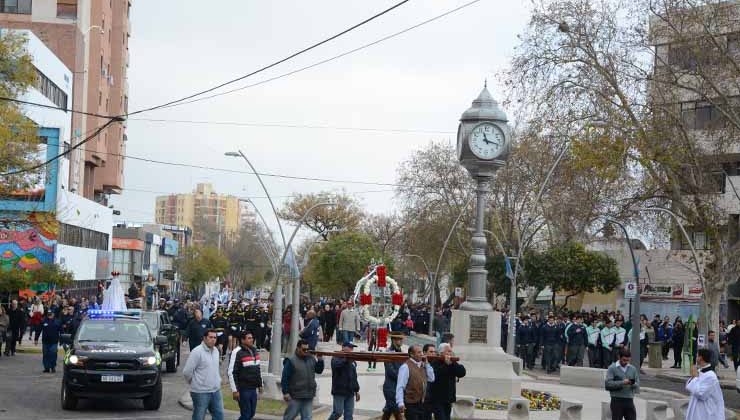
<point x="483" y="146"/>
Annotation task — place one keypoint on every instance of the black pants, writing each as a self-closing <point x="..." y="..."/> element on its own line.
<point x="677" y="355"/>
<point x="414" y="412"/>
<point x="594" y="356"/>
<point x="11" y="341"/>
<point x="550" y="356"/>
<point x="623" y="408"/>
<point x="442" y="410"/>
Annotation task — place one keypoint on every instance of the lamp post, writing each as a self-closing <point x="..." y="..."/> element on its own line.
<point x="277" y="310"/>
<point x="512" y="297"/>
<point x="294" y="320"/>
<point x="635" y="315"/>
<point x="277" y="294"/>
<point x="705" y="319"/>
<point x="430" y="280"/>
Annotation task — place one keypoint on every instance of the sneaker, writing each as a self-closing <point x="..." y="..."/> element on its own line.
<point x="46" y="370"/>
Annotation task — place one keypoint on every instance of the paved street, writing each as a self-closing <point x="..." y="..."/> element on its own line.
<point x="26" y="393"/>
<point x="732" y="398"/>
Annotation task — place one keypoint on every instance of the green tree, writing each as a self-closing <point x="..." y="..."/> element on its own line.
<point x="345" y="214"/>
<point x="13" y="280"/>
<point x="572" y="269"/>
<point x="18" y="140"/>
<point x="51" y="274"/>
<point x="199" y="264"/>
<point x="340" y="262"/>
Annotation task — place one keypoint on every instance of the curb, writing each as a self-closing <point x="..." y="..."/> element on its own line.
<point x="683" y="380"/>
<point x="672" y="394"/>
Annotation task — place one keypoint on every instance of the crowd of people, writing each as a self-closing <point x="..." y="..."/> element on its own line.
<point x="597" y="337"/>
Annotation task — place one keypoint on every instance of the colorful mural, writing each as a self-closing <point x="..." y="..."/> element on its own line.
<point x="27" y="240"/>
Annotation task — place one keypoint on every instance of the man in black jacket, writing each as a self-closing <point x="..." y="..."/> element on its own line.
<point x="577" y="341"/>
<point x="550" y="343"/>
<point x="345" y="389"/>
<point x="443" y="390"/>
<point x="245" y="379"/>
<point x="391" y="379"/>
<point x="525" y="342"/>
<point x="16" y="328"/>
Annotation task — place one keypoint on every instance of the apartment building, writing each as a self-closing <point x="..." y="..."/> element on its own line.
<point x="696" y="77"/>
<point x="199" y="210"/>
<point x="49" y="224"/>
<point x="91" y="38"/>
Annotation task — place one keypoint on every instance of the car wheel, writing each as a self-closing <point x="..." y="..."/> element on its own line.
<point x="69" y="401"/>
<point x="153" y="401"/>
<point x="171" y="364"/>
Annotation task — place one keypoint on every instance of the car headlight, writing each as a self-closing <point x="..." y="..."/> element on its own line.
<point x="149" y="361"/>
<point x="76" y="360"/>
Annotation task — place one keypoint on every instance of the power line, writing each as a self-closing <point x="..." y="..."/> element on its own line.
<point x="40" y="105"/>
<point x="269" y="66"/>
<point x="336" y="57"/>
<point x="280" y="125"/>
<point x="66" y="152"/>
<point x="248" y="197"/>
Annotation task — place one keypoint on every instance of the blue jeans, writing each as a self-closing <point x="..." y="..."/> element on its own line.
<point x="247" y="403"/>
<point x="348" y="336"/>
<point x="304" y="406"/>
<point x="210" y="401"/>
<point x="343" y="404"/>
<point x="49" y="357"/>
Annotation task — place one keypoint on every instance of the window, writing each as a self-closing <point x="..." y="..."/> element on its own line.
<point x="50" y="90"/>
<point x="701" y="116"/>
<point x="67" y="9"/>
<point x="19" y="7"/>
<point x="82" y="238"/>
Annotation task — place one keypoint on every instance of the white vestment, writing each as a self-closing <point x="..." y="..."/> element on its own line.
<point x="113" y="298"/>
<point x="706" y="400"/>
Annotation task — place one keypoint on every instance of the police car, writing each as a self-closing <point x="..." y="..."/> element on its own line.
<point x="112" y="355"/>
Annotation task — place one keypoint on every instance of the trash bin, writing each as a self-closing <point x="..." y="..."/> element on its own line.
<point x="655" y="355"/>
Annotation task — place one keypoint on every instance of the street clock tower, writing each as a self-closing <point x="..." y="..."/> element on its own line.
<point x="483" y="144"/>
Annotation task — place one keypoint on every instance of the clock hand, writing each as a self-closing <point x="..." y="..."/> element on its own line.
<point x="485" y="139"/>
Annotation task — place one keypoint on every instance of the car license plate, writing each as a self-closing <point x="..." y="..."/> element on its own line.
<point x="111" y="378"/>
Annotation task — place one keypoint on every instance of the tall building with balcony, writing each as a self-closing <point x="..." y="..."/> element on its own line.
<point x="695" y="83"/>
<point x="204" y="211"/>
<point x="91" y="38"/>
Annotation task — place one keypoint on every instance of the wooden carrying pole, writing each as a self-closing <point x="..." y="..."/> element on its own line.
<point x="374" y="356"/>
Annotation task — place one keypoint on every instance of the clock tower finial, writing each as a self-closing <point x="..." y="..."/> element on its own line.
<point x="485" y="82"/>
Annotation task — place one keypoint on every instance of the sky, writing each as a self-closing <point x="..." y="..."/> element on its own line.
<point x="419" y="82"/>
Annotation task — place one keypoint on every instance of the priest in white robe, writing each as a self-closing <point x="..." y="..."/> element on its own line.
<point x="705" y="400"/>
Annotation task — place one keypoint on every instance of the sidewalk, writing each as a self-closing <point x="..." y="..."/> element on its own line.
<point x="726" y="375"/>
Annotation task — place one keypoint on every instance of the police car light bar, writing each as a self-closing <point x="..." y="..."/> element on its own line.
<point x="105" y="314"/>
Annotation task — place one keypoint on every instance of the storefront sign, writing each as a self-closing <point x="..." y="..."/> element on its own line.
<point x="127" y="243"/>
<point x="670" y="291"/>
<point x="169" y="247"/>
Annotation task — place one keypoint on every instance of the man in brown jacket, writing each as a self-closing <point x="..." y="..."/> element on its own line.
<point x="411" y="387"/>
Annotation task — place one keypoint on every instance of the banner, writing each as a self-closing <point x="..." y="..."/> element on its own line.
<point x="671" y="291"/>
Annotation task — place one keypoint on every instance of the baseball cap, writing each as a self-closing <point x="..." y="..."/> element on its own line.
<point x="348" y="344"/>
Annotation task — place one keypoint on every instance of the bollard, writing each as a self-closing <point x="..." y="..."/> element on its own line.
<point x="570" y="410"/>
<point x="606" y="410"/>
<point x="518" y="409"/>
<point x="680" y="406"/>
<point x="656" y="410"/>
<point x="464" y="407"/>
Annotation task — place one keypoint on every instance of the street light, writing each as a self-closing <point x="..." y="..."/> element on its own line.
<point x="704" y="325"/>
<point x="512" y="297"/>
<point x="277" y="310"/>
<point x="635" y="315"/>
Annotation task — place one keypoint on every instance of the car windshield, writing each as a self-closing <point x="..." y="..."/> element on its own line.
<point x="114" y="331"/>
<point x="151" y="319"/>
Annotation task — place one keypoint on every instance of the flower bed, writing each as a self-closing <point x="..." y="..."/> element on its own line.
<point x="538" y="400"/>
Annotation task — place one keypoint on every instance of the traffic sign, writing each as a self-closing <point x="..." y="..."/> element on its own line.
<point x="630" y="290"/>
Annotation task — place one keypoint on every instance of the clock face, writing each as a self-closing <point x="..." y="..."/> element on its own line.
<point x="486" y="141"/>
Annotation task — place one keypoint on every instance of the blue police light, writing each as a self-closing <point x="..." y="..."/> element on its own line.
<point x="107" y="314"/>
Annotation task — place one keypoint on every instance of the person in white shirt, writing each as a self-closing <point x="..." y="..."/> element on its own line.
<point x="706" y="400"/>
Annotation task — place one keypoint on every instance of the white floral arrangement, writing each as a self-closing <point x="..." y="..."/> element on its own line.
<point x="365" y="309"/>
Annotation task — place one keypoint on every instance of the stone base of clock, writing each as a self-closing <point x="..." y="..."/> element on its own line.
<point x="491" y="373"/>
